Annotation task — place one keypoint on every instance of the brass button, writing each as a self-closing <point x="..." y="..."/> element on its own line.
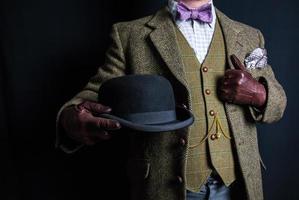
<point x="212" y="113"/>
<point x="218" y="135"/>
<point x="213" y="137"/>
<point x="180" y="179"/>
<point x="205" y="69"/>
<point x="208" y="92"/>
<point x="183" y="141"/>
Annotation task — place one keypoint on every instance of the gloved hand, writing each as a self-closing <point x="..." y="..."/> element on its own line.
<point x="81" y="125"/>
<point x="239" y="87"/>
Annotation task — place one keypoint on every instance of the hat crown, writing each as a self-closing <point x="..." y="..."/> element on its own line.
<point x="137" y="94"/>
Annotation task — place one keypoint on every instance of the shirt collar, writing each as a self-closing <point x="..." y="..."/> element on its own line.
<point x="172" y="5"/>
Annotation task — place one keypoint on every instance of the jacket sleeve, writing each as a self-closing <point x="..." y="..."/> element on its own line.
<point x="276" y="97"/>
<point x="114" y="66"/>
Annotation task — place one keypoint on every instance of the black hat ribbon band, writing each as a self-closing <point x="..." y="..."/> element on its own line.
<point x="159" y="117"/>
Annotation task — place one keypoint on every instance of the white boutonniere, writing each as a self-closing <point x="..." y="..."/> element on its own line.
<point x="256" y="59"/>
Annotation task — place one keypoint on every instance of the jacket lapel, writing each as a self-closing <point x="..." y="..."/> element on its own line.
<point x="232" y="36"/>
<point x="164" y="39"/>
<point x="235" y="45"/>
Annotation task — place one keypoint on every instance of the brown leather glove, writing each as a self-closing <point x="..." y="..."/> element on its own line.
<point x="81" y="125"/>
<point x="239" y="87"/>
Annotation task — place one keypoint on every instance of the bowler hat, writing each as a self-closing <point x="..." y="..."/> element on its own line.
<point x="143" y="103"/>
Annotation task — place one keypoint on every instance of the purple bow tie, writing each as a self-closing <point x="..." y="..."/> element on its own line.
<point x="202" y="14"/>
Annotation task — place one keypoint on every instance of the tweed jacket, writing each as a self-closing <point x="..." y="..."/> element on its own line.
<point x="156" y="163"/>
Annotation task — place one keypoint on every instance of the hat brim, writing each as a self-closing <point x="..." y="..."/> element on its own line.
<point x="185" y="119"/>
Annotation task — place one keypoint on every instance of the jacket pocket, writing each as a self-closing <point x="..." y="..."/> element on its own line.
<point x="138" y="169"/>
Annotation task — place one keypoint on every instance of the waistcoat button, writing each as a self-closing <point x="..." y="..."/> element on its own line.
<point x="213" y="137"/>
<point x="208" y="92"/>
<point x="205" y="69"/>
<point x="212" y="113"/>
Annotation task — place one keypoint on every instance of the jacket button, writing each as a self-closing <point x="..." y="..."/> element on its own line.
<point x="183" y="141"/>
<point x="184" y="106"/>
<point x="179" y="179"/>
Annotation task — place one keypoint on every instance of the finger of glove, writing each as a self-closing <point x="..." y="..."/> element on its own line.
<point x="95" y="135"/>
<point x="228" y="83"/>
<point x="96" y="107"/>
<point x="225" y="91"/>
<point x="227" y="95"/>
<point x="232" y="83"/>
<point x="104" y="123"/>
<point x="237" y="63"/>
<point x="102" y="135"/>
<point x="232" y="74"/>
<point x="88" y="140"/>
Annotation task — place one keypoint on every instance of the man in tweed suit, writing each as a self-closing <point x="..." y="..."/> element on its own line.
<point x="198" y="49"/>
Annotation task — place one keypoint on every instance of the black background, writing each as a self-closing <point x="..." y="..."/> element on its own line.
<point x="48" y="51"/>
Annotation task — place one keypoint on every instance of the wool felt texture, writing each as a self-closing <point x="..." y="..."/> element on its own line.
<point x="144" y="103"/>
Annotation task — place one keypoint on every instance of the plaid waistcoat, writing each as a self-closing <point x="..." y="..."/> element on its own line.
<point x="209" y="141"/>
